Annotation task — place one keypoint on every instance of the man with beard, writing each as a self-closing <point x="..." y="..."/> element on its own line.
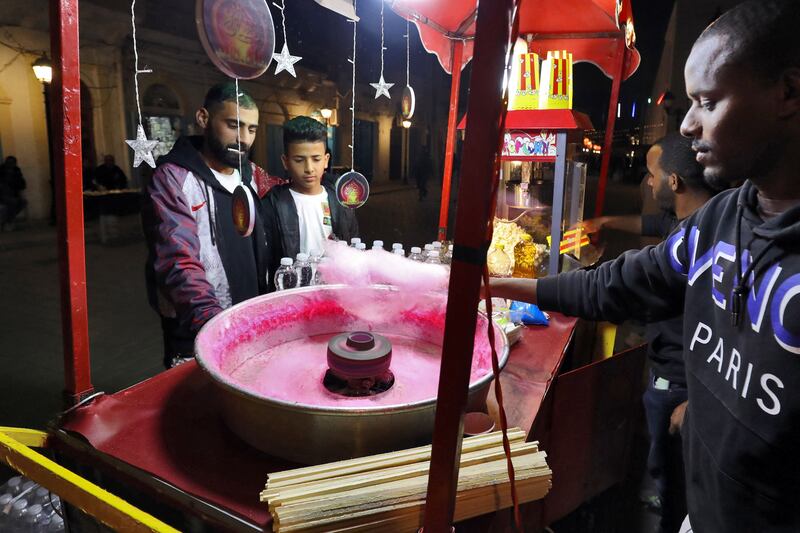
<point x="678" y="187"/>
<point x="198" y="264"/>
<point x="733" y="269"/>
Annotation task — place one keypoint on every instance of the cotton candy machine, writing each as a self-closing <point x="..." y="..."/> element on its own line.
<point x="325" y="373"/>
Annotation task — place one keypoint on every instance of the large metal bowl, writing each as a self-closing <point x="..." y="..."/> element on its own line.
<point x="312" y="434"/>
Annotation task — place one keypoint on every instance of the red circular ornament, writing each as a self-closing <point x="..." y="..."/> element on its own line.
<point x="243" y="208"/>
<point x="408" y="102"/>
<point x="352" y="189"/>
<point x="238" y="35"/>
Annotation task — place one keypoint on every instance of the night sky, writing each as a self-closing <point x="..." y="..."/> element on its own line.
<point x="324" y="40"/>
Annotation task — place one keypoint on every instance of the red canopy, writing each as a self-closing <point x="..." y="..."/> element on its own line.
<point x="587" y="28"/>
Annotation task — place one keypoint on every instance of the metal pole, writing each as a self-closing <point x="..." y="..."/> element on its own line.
<point x="66" y="114"/>
<point x="455" y="68"/>
<point x="560" y="173"/>
<point x="619" y="62"/>
<point x="469" y="256"/>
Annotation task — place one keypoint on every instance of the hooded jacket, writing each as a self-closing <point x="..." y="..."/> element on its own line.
<point x="736" y="278"/>
<point x="197" y="263"/>
<point x="283" y="225"/>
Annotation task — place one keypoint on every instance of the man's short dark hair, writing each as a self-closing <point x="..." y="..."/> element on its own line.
<point x="677" y="157"/>
<point x="761" y="34"/>
<point x="226" y="92"/>
<point x="303" y="129"/>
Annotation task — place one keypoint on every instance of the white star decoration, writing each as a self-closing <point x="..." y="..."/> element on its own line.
<point x="142" y="148"/>
<point x="285" y="61"/>
<point x="382" y="88"/>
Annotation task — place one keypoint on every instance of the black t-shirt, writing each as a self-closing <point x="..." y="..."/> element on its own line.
<point x="665" y="338"/>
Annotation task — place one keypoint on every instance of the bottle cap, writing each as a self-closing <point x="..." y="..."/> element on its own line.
<point x="20" y="504"/>
<point x="286" y="261"/>
<point x="355" y="240"/>
<point x="361" y="246"/>
<point x="34" y="509"/>
<point x="429" y="247"/>
<point x="377" y="244"/>
<point x="399" y="251"/>
<point x="5" y="499"/>
<point x="415" y="250"/>
<point x="450" y="248"/>
<point x="396" y="245"/>
<point x="302" y="257"/>
<point x="436" y="245"/>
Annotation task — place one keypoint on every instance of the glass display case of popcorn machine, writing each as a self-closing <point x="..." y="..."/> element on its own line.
<point x="541" y="194"/>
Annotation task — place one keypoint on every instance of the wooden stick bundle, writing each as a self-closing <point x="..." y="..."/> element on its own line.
<point x="387" y="492"/>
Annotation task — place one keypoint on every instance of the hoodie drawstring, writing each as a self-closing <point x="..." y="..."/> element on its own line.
<point x="741" y="288"/>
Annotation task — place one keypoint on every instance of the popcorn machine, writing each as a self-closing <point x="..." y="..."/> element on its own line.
<point x="541" y="192"/>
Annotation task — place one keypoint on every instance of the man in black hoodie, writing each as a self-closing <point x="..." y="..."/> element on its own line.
<point x="198" y="264"/>
<point x="733" y="269"/>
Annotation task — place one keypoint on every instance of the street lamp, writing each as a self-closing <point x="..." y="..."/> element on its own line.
<point x="326" y="113"/>
<point x="406" y="123"/>
<point x="43" y="70"/>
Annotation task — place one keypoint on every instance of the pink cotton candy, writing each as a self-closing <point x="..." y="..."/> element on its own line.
<point x="379" y="267"/>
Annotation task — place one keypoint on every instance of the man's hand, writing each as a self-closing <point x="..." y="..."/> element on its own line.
<point x="592" y="225"/>
<point x="676" y="419"/>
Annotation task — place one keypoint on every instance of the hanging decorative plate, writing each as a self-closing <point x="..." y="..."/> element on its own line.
<point x="408" y="102"/>
<point x="238" y="35"/>
<point x="244" y="210"/>
<point x="352" y="189"/>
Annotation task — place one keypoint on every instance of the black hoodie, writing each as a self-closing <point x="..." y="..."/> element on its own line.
<point x="186" y="249"/>
<point x="741" y="433"/>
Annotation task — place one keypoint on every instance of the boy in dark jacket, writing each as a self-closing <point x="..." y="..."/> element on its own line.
<point x="301" y="215"/>
<point x="733" y="269"/>
<point x="198" y="264"/>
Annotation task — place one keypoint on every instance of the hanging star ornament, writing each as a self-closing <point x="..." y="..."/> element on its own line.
<point x="142" y="148"/>
<point x="285" y="61"/>
<point x="382" y="88"/>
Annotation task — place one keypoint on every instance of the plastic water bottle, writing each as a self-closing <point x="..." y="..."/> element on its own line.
<point x="40" y="496"/>
<point x="416" y="254"/>
<point x="285" y="276"/>
<point x="318" y="279"/>
<point x="33" y="518"/>
<point x="433" y="258"/>
<point x="14" y="485"/>
<point x="5" y="500"/>
<point x="17" y="514"/>
<point x="56" y="525"/>
<point x="314" y="259"/>
<point x="305" y="274"/>
<point x="361" y="246"/>
<point x="354" y="242"/>
<point x="399" y="251"/>
<point x="448" y="255"/>
<point x="397" y="245"/>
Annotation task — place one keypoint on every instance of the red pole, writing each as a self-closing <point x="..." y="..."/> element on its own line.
<point x="455" y="67"/>
<point x="469" y="255"/>
<point x="619" y="62"/>
<point x="66" y="116"/>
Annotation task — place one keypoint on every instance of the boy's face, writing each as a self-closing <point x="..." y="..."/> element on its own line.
<point x="306" y="162"/>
